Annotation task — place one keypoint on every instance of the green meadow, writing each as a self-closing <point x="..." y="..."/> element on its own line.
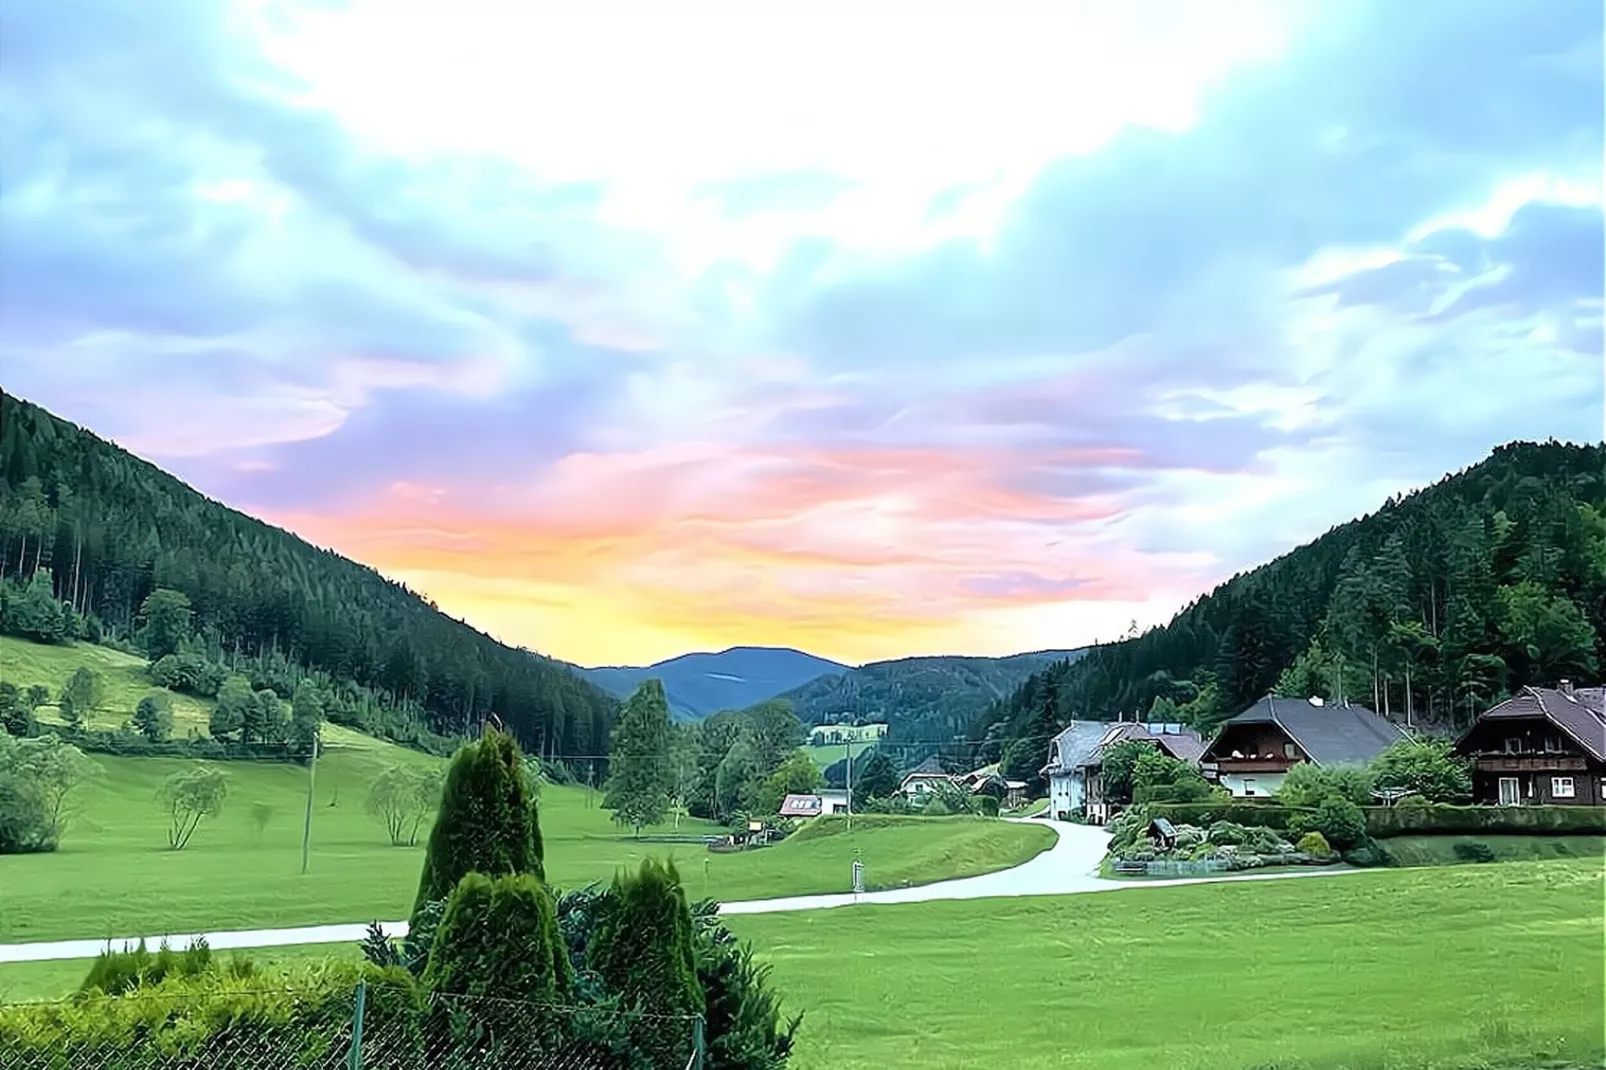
<point x="114" y="875"/>
<point x="1489" y="967"/>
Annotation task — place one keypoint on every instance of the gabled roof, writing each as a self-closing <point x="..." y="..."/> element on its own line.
<point x="1329" y="735"/>
<point x="1177" y="740"/>
<point x="930" y="765"/>
<point x="1075" y="743"/>
<point x="1581" y="714"/>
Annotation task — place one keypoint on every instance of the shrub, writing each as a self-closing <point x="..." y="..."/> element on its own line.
<point x="1366" y="855"/>
<point x="499" y="937"/>
<point x="189" y="673"/>
<point x="1476" y="851"/>
<point x="1307" y="784"/>
<point x="486" y="822"/>
<point x="25" y="825"/>
<point x="1339" y="821"/>
<point x="1387" y="821"/>
<point x="988" y="805"/>
<point x="1431" y="768"/>
<point x="1314" y="844"/>
<point x="1268" y="813"/>
<point x="115" y="972"/>
<point x="746" y="1030"/>
<point x="642" y="950"/>
<point x="1228" y="833"/>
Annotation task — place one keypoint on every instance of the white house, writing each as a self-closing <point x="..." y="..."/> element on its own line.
<point x="833" y="800"/>
<point x="1068" y="756"/>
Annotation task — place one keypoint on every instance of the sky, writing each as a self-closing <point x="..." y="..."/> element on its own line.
<point x="873" y="330"/>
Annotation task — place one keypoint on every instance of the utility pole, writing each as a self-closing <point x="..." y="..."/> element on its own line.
<point x="306" y="828"/>
<point x="848" y="746"/>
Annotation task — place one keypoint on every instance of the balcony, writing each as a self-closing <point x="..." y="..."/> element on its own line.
<point x="1235" y="766"/>
<point x="1528" y="763"/>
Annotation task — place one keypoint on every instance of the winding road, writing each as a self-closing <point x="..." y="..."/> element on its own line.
<point x="1070" y="867"/>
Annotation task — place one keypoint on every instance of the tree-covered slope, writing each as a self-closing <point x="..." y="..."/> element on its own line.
<point x="924" y="700"/>
<point x="1438" y="603"/>
<point x="109" y="528"/>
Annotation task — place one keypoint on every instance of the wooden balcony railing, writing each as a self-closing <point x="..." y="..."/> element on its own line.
<point x="1528" y="763"/>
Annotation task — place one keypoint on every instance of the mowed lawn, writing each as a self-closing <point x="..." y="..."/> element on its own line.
<point x="114" y="876"/>
<point x="1486" y="966"/>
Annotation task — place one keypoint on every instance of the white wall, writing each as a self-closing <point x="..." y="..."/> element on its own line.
<point x="1065" y="794"/>
<point x="1264" y="783"/>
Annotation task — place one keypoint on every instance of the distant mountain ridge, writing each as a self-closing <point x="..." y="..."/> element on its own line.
<point x="921" y="699"/>
<point x="701" y="684"/>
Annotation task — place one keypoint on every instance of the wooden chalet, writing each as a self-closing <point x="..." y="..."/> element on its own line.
<point x="1542" y="745"/>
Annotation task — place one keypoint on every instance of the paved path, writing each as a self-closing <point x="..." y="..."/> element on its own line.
<point x="1070" y="867"/>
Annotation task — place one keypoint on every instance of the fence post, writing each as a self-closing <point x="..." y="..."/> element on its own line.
<point x="698" y="1043"/>
<point x="358" y="1006"/>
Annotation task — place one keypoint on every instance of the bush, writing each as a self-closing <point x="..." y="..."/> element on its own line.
<point x="25" y="825"/>
<point x="190" y="673"/>
<point x="486" y="823"/>
<point x="988" y="805"/>
<point x="1192" y="790"/>
<point x="745" y="1028"/>
<point x="1268" y="813"/>
<point x="1308" y="784"/>
<point x="114" y="973"/>
<point x="1340" y="822"/>
<point x="1431" y="768"/>
<point x="1228" y="833"/>
<point x="642" y="950"/>
<point x="1315" y="845"/>
<point x="212" y="1019"/>
<point x="499" y="937"/>
<point x="1476" y="851"/>
<point x="1385" y="821"/>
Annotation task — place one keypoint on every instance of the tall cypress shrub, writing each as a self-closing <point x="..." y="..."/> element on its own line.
<point x="643" y="949"/>
<point x="487" y="821"/>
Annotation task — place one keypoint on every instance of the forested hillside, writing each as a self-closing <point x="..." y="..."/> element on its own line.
<point x="922" y="700"/>
<point x="1433" y="607"/>
<point x="101" y="530"/>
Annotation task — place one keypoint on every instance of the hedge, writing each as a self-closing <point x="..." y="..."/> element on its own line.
<point x="1268" y="814"/>
<point x="1385" y="821"/>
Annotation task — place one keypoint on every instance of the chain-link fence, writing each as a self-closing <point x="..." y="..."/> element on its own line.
<point x="373" y="1027"/>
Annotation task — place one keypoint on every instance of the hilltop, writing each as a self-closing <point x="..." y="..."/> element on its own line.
<point x="701" y="684"/>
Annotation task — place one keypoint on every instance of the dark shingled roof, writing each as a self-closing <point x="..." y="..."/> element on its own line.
<point x="1328" y="734"/>
<point x="1582" y="715"/>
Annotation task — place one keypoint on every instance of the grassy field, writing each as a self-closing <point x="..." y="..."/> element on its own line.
<point x="123" y="676"/>
<point x="1470" y="966"/>
<point x="1454" y="850"/>
<point x="831" y="753"/>
<point x="113" y="875"/>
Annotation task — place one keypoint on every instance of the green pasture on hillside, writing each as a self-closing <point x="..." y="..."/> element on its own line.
<point x="114" y="876"/>
<point x="1455" y="968"/>
<point x="829" y="754"/>
<point x="123" y="678"/>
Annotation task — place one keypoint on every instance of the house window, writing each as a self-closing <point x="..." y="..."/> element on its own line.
<point x="1249" y="786"/>
<point x="1510" y="791"/>
<point x="1552" y="744"/>
<point x="1561" y="787"/>
<point x="1513" y="745"/>
<point x="1290" y="751"/>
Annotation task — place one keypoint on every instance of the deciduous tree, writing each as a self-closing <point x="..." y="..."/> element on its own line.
<point x="640" y="777"/>
<point x="189" y="796"/>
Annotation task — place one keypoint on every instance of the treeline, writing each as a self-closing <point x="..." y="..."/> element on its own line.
<point x="1432" y="608"/>
<point x="105" y="530"/>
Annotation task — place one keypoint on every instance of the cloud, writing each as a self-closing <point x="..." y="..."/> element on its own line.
<point x="659" y="339"/>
